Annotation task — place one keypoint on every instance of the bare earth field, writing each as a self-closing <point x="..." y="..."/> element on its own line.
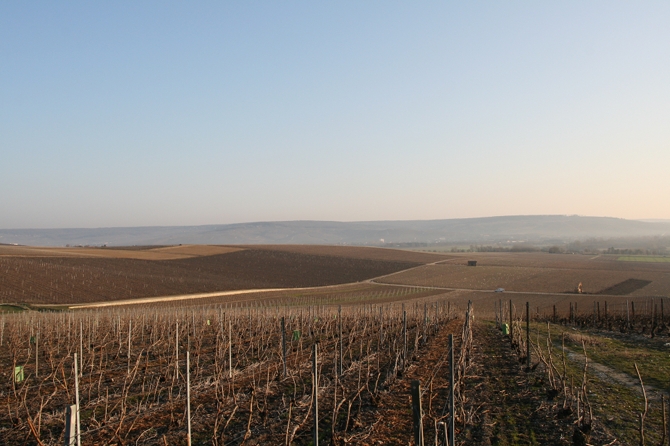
<point x="88" y="275"/>
<point x="359" y="252"/>
<point x="72" y="275"/>
<point x="139" y="253"/>
<point x="556" y="261"/>
<point x="542" y="273"/>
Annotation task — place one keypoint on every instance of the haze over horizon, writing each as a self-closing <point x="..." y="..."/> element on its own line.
<point x="246" y="223"/>
<point x="169" y="114"/>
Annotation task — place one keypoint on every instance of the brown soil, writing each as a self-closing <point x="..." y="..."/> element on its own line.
<point x="131" y="252"/>
<point x="531" y="279"/>
<point x="358" y="252"/>
<point x="560" y="261"/>
<point x="395" y="414"/>
<point x="61" y="280"/>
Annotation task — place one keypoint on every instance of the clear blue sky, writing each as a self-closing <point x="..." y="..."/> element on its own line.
<point x="180" y="113"/>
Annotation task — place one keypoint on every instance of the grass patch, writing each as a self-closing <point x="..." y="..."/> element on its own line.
<point x="11" y="309"/>
<point x="653" y="358"/>
<point x="616" y="405"/>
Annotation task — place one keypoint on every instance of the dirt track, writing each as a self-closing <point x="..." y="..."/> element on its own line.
<point x="150" y="300"/>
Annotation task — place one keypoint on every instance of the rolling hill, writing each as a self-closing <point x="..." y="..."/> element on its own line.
<point x="532" y="229"/>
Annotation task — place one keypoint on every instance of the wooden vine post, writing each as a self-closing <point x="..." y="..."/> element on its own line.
<point x="71" y="425"/>
<point x="416" y="413"/>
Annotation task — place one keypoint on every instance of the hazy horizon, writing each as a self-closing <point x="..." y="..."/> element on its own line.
<point x="493" y="217"/>
<point x="174" y="114"/>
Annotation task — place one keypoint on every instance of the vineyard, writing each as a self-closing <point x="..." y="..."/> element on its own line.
<point x="233" y="374"/>
<point x="247" y="372"/>
<point x="358" y="363"/>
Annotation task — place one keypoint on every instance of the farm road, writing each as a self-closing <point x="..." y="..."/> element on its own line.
<point x="150" y="300"/>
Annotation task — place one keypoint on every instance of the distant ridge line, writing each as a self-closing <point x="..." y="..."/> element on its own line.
<point x="516" y="228"/>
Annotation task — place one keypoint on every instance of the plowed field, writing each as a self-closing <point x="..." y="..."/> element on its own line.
<point x="542" y="273"/>
<point x="359" y="252"/>
<point x="78" y="279"/>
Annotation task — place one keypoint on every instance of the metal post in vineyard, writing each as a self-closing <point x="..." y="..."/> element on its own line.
<point x="662" y="314"/>
<point x="339" y="320"/>
<point x="510" y="319"/>
<point x="315" y="390"/>
<point x="404" y="337"/>
<point x="81" y="345"/>
<point x="188" y="397"/>
<point x="425" y="322"/>
<point x="76" y="397"/>
<point x="283" y="345"/>
<point x="130" y="329"/>
<point x="37" y="352"/>
<point x="381" y="326"/>
<point x="452" y="423"/>
<point x="528" y="335"/>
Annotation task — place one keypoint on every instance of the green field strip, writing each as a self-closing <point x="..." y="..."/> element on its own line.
<point x="6" y="308"/>
<point x="649" y="259"/>
<point x="653" y="359"/>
